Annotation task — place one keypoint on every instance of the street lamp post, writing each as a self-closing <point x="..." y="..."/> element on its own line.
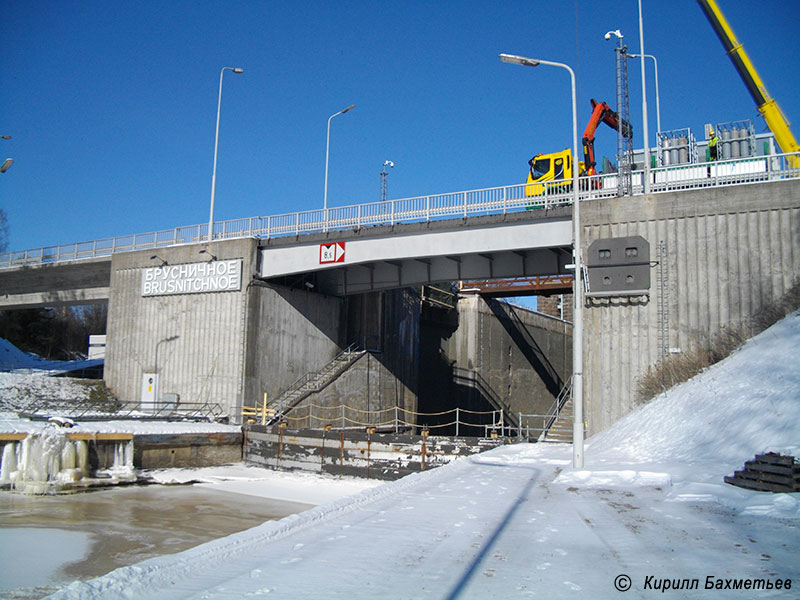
<point x="327" y="154"/>
<point x="645" y="132"/>
<point x="216" y="145"/>
<point x="658" y="104"/>
<point x="171" y="338"/>
<point x="577" y="328"/>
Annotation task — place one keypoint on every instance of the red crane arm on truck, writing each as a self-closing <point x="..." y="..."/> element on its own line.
<point x="601" y="112"/>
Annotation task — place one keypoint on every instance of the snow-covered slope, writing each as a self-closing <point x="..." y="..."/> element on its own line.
<point x="519" y="522"/>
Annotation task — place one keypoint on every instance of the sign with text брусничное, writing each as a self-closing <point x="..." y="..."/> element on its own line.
<point x="193" y="278"/>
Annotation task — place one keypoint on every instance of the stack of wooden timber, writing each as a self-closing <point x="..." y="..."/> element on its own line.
<point x="770" y="472"/>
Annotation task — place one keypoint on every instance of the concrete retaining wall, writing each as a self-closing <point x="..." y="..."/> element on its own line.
<point x="493" y="349"/>
<point x="289" y="333"/>
<point x="376" y="456"/>
<point x="161" y="451"/>
<point x="729" y="252"/>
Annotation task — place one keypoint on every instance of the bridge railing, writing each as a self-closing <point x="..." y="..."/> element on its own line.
<point x="489" y="201"/>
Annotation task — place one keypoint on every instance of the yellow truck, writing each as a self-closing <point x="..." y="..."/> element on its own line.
<point x="552" y="173"/>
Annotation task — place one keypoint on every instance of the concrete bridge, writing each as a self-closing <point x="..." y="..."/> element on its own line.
<point x="235" y="318"/>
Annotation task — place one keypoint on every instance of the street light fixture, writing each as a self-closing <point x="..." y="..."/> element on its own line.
<point x="577" y="328"/>
<point x="7" y="162"/>
<point x="327" y="154"/>
<point x="216" y="144"/>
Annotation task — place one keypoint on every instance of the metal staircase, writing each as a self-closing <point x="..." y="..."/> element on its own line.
<point x="559" y="424"/>
<point x="314" y="382"/>
<point x="561" y="429"/>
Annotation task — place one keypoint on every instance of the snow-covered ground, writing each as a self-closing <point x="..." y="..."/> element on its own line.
<point x="296" y="486"/>
<point x="649" y="511"/>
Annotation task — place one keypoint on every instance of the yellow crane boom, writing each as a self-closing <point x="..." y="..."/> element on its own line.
<point x="767" y="105"/>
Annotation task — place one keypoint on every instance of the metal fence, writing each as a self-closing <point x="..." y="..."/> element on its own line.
<point x="40" y="410"/>
<point x="489" y="201"/>
<point x="459" y="421"/>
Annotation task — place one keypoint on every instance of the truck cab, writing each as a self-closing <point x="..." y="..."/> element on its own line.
<point x="555" y="167"/>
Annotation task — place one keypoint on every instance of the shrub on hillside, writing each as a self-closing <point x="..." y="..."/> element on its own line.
<point x="678" y="368"/>
<point x="101" y="398"/>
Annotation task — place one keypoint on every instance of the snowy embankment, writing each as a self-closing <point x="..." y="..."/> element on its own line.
<point x="649" y="509"/>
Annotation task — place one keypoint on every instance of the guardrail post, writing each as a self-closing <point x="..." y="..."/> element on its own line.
<point x="396" y="420"/>
<point x="310" y="415"/>
<point x="342" y="416"/>
<point x="465" y="204"/>
<point x="457" y="420"/>
<point x="427" y="208"/>
<point x="264" y="411"/>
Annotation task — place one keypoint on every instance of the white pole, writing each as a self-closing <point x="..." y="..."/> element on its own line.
<point x="577" y="327"/>
<point x="216" y="145"/>
<point x="645" y="132"/>
<point x="327" y="154"/>
<point x="658" y="102"/>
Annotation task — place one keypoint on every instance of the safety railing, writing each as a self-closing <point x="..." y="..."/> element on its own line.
<point x="143" y="411"/>
<point x="471" y="203"/>
<point x="535" y="426"/>
<point x="396" y="418"/>
<point x="315" y="381"/>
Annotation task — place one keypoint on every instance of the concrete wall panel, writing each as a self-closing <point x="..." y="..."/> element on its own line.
<point x="204" y="362"/>
<point x="729" y="252"/>
<point x="290" y="333"/>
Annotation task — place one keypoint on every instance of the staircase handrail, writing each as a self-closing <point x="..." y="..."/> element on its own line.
<point x="477" y="381"/>
<point x="283" y="398"/>
<point x="555" y="408"/>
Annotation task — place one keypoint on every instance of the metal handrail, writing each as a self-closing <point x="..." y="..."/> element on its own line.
<point x="488" y="201"/>
<point x="555" y="410"/>
<point x="170" y="411"/>
<point x="285" y="398"/>
<point x="548" y="418"/>
<point x="476" y="381"/>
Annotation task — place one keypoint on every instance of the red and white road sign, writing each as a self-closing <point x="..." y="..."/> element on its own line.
<point x="331" y="253"/>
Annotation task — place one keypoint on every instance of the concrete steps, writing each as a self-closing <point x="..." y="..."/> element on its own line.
<point x="561" y="430"/>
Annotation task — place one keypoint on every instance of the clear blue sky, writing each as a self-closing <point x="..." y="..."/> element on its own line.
<point x="112" y="105"/>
